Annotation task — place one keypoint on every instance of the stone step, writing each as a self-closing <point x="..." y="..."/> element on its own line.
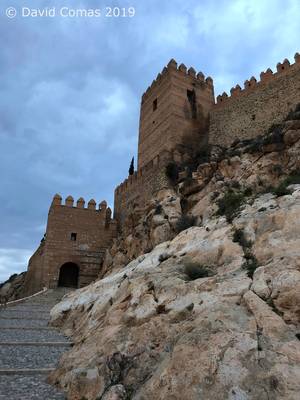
<point x="33" y="307"/>
<point x="26" y="328"/>
<point x="23" y="318"/>
<point x="28" y="385"/>
<point x="30" y="356"/>
<point x="26" y="371"/>
<point x="29" y="349"/>
<point x="41" y="343"/>
<point x="20" y="322"/>
<point x="31" y="335"/>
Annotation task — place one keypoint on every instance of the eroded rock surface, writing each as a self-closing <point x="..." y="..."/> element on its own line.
<point x="150" y="331"/>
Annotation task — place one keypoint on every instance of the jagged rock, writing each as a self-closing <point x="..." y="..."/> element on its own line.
<point x="260" y="286"/>
<point x="116" y="392"/>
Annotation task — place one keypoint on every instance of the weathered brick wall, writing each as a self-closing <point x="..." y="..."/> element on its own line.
<point x="175" y="116"/>
<point x="139" y="188"/>
<point x="94" y="231"/>
<point x="250" y="112"/>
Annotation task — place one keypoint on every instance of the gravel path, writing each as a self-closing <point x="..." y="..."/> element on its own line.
<point x="27" y="346"/>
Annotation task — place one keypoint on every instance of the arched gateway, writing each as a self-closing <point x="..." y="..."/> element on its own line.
<point x="68" y="275"/>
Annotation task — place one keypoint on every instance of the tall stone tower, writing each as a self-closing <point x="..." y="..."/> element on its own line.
<point x="176" y="104"/>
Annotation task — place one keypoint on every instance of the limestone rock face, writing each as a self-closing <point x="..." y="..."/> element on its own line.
<point x="151" y="330"/>
<point x="12" y="289"/>
<point x="144" y="229"/>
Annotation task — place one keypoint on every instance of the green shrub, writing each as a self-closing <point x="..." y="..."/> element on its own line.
<point x="293" y="115"/>
<point x="293" y="178"/>
<point x="163" y="257"/>
<point x="203" y="155"/>
<point x="239" y="237"/>
<point x="248" y="191"/>
<point x="273" y="127"/>
<point x="185" y="222"/>
<point x="172" y="171"/>
<point x="276" y="136"/>
<point x="250" y="265"/>
<point x="158" y="209"/>
<point x="195" y="270"/>
<point x="255" y="146"/>
<point x="230" y="204"/>
<point x="235" y="185"/>
<point x="282" y="188"/>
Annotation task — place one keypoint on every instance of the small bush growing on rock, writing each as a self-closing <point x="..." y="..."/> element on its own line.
<point x="234" y="152"/>
<point x="163" y="257"/>
<point x="255" y="146"/>
<point x="203" y="155"/>
<point x="185" y="222"/>
<point x="272" y="128"/>
<point x="195" y="271"/>
<point x="183" y="204"/>
<point x="250" y="265"/>
<point x="282" y="188"/>
<point x="235" y="185"/>
<point x="239" y="237"/>
<point x="172" y="171"/>
<point x="248" y="191"/>
<point x="293" y="178"/>
<point x="230" y="204"/>
<point x="158" y="209"/>
<point x="276" y="136"/>
<point x="293" y="115"/>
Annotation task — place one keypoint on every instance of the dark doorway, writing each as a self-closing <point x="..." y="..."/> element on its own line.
<point x="68" y="275"/>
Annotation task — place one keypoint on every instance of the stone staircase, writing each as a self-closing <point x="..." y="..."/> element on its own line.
<point x="29" y="348"/>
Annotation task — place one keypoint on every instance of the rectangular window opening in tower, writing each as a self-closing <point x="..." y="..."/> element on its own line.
<point x="73" y="236"/>
<point x="154" y="104"/>
<point x="191" y="95"/>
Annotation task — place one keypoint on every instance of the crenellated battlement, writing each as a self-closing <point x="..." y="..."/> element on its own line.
<point x="103" y="212"/>
<point x="182" y="71"/>
<point x="253" y="84"/>
<point x="69" y="202"/>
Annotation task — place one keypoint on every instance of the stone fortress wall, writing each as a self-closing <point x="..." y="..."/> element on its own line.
<point x="136" y="189"/>
<point x="77" y="236"/>
<point x="249" y="112"/>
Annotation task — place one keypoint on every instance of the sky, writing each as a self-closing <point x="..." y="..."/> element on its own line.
<point x="70" y="90"/>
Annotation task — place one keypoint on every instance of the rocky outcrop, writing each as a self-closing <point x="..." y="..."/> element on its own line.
<point x="212" y="314"/>
<point x="258" y="165"/>
<point x="144" y="229"/>
<point x="12" y="289"/>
